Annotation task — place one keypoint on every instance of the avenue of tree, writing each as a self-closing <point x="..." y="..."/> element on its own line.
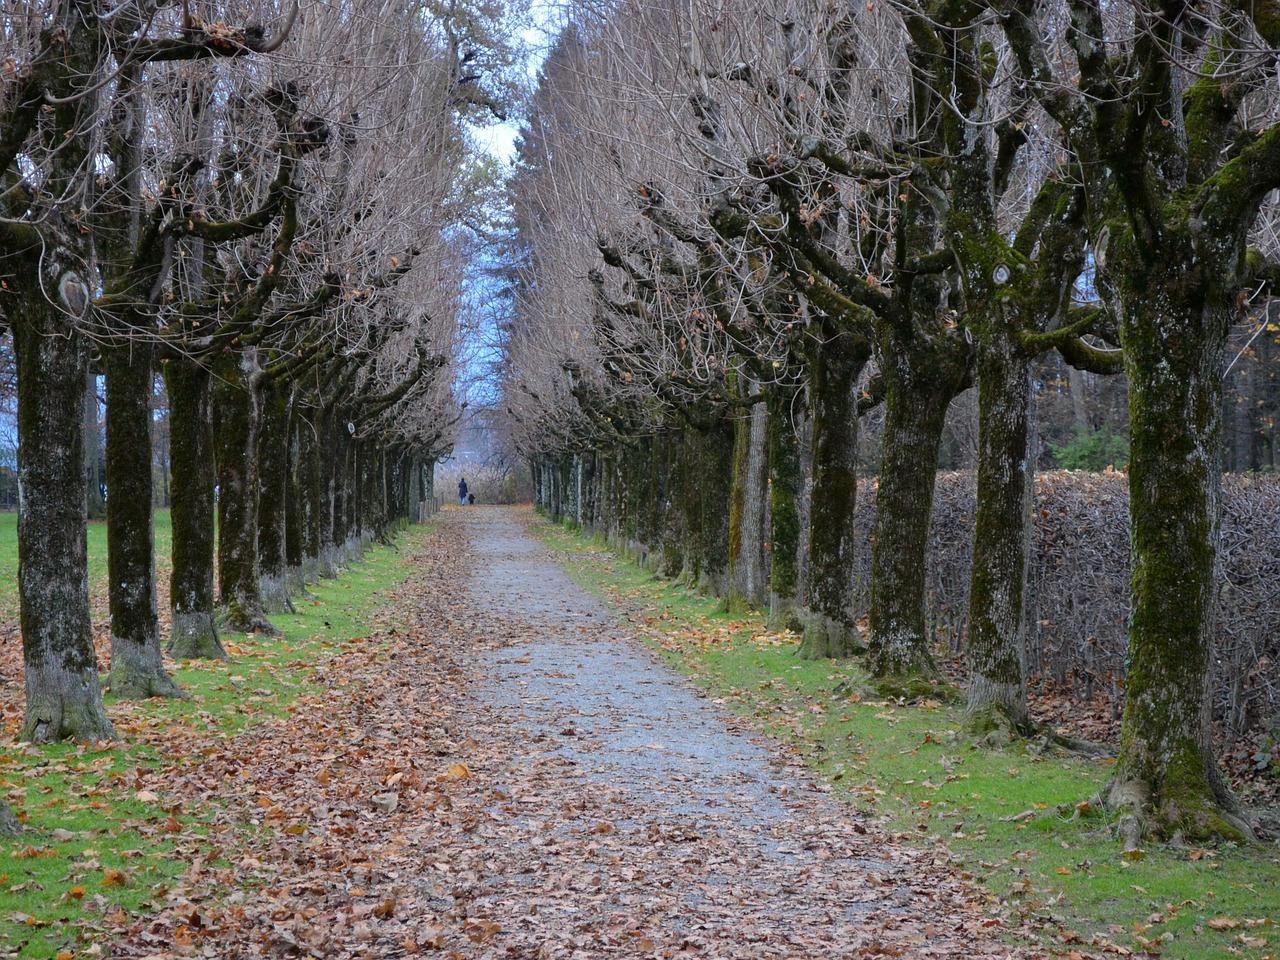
<point x="739" y="227"/>
<point x="263" y="204"/>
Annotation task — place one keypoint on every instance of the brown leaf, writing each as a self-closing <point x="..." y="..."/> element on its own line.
<point x="114" y="878"/>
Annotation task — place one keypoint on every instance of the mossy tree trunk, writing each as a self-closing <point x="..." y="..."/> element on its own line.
<point x="686" y="501"/>
<point x="591" y="489"/>
<point x="715" y="490"/>
<point x="48" y="285"/>
<point x="300" y="507"/>
<point x="996" y="629"/>
<point x="676" y="451"/>
<point x="327" y="461"/>
<point x="137" y="664"/>
<point x="191" y="457"/>
<point x="786" y="411"/>
<point x="238" y="412"/>
<point x="340" y="493"/>
<point x="1175" y="323"/>
<point x="64" y="697"/>
<point x="920" y="382"/>
<point x="748" y="508"/>
<point x="274" y="463"/>
<point x="835" y="362"/>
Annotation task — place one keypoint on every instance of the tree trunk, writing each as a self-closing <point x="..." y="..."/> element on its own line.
<point x="684" y="508"/>
<point x="785" y="413"/>
<point x="715" y="460"/>
<point x="748" y="576"/>
<point x="299" y="507"/>
<point x="64" y="697"/>
<point x="191" y="454"/>
<point x="273" y="494"/>
<point x="675" y="446"/>
<point x="831" y="629"/>
<point x="1174" y="335"/>
<point x="328" y="460"/>
<point x="236" y="402"/>
<point x="996" y="633"/>
<point x="917" y="395"/>
<point x="137" y="664"/>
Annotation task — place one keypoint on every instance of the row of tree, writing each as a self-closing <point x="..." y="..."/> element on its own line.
<point x="738" y="227"/>
<point x="262" y="205"/>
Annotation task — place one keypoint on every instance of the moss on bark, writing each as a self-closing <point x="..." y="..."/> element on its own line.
<point x="836" y="360"/>
<point x="786" y="410"/>
<point x="239" y="587"/>
<point x="64" y="697"/>
<point x="137" y="664"/>
<point x="716" y="458"/>
<point x="996" y="629"/>
<point x="1176" y="315"/>
<point x="919" y="387"/>
<point x="273" y="488"/>
<point x="191" y="457"/>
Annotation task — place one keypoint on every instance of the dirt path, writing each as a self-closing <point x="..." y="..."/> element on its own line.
<point x="502" y="772"/>
<point x="638" y="820"/>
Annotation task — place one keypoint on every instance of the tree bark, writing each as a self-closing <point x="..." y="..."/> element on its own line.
<point x="64" y="696"/>
<point x="1174" y="335"/>
<point x="329" y="461"/>
<point x="137" y="664"/>
<point x="996" y="633"/>
<point x="191" y="453"/>
<point x="785" y="413"/>
<point x="831" y="629"/>
<point x="676" y="450"/>
<point x="749" y="578"/>
<point x="298" y="508"/>
<point x="919" y="383"/>
<point x="716" y="469"/>
<point x="237" y="404"/>
<point x="273" y="483"/>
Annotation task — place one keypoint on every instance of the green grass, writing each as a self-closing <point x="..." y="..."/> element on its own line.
<point x="96" y="846"/>
<point x="97" y="558"/>
<point x="908" y="768"/>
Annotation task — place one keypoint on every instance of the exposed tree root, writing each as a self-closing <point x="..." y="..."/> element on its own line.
<point x="1135" y="820"/>
<point x="238" y="618"/>
<point x="995" y="728"/>
<point x="10" y="826"/>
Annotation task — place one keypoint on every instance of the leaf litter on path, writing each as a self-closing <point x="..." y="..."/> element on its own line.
<point x="502" y="772"/>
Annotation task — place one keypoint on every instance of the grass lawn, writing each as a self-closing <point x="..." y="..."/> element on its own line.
<point x="97" y="848"/>
<point x="907" y="767"/>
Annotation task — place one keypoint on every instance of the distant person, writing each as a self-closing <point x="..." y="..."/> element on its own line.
<point x="462" y="492"/>
<point x="471" y="499"/>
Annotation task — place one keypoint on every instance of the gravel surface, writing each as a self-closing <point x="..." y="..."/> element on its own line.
<point x="635" y="817"/>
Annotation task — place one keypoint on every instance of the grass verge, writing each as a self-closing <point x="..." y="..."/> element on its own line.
<point x="101" y="844"/>
<point x="1062" y="881"/>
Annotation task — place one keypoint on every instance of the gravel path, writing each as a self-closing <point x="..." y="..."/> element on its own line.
<point x="625" y="814"/>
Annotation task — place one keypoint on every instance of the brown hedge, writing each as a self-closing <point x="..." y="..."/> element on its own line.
<point x="1078" y="583"/>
